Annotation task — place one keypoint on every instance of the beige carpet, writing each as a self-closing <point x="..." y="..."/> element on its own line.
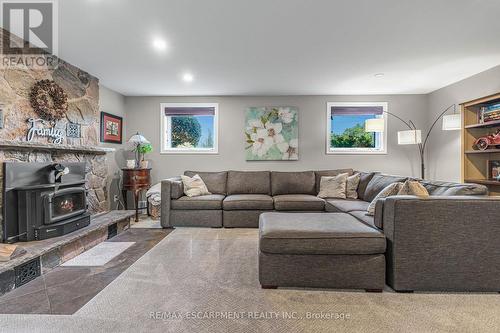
<point x="197" y="273"/>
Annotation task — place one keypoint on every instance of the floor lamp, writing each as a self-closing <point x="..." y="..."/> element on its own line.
<point x="413" y="136"/>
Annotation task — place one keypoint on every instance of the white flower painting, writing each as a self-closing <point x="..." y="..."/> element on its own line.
<point x="272" y="133"/>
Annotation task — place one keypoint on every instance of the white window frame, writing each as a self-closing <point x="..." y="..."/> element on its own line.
<point x="166" y="124"/>
<point x="358" y="151"/>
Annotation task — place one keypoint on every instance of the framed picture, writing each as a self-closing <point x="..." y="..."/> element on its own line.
<point x="272" y="134"/>
<point x="494" y="169"/>
<point x="111" y="128"/>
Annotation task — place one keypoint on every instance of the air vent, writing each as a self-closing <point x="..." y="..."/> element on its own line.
<point x="27" y="272"/>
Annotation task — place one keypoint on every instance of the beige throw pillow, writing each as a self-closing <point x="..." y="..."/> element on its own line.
<point x="352" y="186"/>
<point x="194" y="186"/>
<point x="412" y="187"/>
<point x="389" y="190"/>
<point x="333" y="187"/>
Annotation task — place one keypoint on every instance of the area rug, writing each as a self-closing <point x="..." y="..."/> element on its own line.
<point x="99" y="255"/>
<point x="205" y="280"/>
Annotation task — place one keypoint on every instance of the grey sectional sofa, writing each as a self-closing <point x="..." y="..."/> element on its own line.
<point x="448" y="241"/>
<point x="239" y="197"/>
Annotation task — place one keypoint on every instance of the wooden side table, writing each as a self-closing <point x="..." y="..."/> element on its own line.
<point x="135" y="180"/>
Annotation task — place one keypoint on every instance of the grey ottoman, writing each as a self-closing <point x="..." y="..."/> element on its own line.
<point x="320" y="250"/>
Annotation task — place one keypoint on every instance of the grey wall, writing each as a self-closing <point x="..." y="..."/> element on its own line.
<point x="112" y="102"/>
<point x="444" y="146"/>
<point x="143" y="114"/>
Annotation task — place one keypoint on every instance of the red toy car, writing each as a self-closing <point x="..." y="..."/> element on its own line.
<point x="485" y="142"/>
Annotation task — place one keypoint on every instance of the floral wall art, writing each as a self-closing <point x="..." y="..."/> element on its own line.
<point x="272" y="133"/>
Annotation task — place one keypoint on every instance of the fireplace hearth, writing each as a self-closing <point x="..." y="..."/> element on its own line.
<point x="43" y="200"/>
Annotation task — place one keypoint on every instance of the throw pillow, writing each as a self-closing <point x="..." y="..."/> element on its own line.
<point x="352" y="186"/>
<point x="194" y="186"/>
<point x="333" y="187"/>
<point x="412" y="187"/>
<point x="391" y="189"/>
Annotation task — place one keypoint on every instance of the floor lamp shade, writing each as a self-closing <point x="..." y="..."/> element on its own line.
<point x="375" y="125"/>
<point x="409" y="137"/>
<point x="452" y="122"/>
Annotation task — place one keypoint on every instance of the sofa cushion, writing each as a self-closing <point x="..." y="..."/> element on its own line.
<point x="328" y="173"/>
<point x="345" y="205"/>
<point x="453" y="189"/>
<point x="248" y="202"/>
<point x="212" y="201"/>
<point x="413" y="187"/>
<point x="364" y="217"/>
<point x="390" y="190"/>
<point x="194" y="186"/>
<point x="318" y="233"/>
<point x="215" y="181"/>
<point x="333" y="187"/>
<point x="364" y="179"/>
<point x="351" y="187"/>
<point x="378" y="183"/>
<point x="303" y="202"/>
<point x="248" y="182"/>
<point x="293" y="183"/>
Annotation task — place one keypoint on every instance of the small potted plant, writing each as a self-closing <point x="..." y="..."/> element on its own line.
<point x="143" y="149"/>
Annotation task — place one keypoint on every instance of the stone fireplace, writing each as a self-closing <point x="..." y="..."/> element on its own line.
<point x="82" y="90"/>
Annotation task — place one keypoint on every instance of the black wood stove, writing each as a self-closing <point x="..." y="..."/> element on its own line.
<point x="43" y="200"/>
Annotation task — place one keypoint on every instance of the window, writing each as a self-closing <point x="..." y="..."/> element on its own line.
<point x="346" y="128"/>
<point x="189" y="128"/>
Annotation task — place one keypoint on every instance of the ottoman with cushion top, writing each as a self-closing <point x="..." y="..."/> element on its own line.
<point x="320" y="250"/>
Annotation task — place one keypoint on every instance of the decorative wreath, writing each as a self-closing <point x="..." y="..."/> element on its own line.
<point x="49" y="100"/>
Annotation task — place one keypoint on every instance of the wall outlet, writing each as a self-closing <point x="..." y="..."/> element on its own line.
<point x="116" y="198"/>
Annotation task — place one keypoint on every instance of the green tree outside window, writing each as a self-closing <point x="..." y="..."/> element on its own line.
<point x="353" y="137"/>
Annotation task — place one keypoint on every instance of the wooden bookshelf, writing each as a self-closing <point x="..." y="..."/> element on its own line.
<point x="488" y="124"/>
<point x="475" y="162"/>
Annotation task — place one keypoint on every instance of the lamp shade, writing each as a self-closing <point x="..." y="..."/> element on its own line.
<point x="409" y="137"/>
<point x="375" y="125"/>
<point x="137" y="139"/>
<point x="452" y="122"/>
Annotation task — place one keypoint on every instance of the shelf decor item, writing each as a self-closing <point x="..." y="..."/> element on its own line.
<point x="272" y="134"/>
<point x="131" y="164"/>
<point x="485" y="142"/>
<point x="73" y="130"/>
<point x="111" y="128"/>
<point x="413" y="136"/>
<point x="143" y="149"/>
<point x="494" y="170"/>
<point x="489" y="113"/>
<point x="49" y="100"/>
<point x="140" y="145"/>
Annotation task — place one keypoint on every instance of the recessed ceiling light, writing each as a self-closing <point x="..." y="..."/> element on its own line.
<point x="379" y="75"/>
<point x="187" y="77"/>
<point x="160" y="44"/>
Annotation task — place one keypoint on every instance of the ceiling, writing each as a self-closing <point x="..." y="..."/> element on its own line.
<point x="280" y="47"/>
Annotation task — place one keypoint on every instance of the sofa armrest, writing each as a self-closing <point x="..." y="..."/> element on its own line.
<point x="170" y="189"/>
<point x="379" y="213"/>
<point x="442" y="243"/>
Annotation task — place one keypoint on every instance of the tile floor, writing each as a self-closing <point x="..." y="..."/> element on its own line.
<point x="64" y="290"/>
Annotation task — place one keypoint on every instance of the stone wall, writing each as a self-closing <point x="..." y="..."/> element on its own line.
<point x="83" y="101"/>
<point x="83" y="108"/>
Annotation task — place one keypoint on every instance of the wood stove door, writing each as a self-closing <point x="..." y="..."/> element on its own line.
<point x="63" y="204"/>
